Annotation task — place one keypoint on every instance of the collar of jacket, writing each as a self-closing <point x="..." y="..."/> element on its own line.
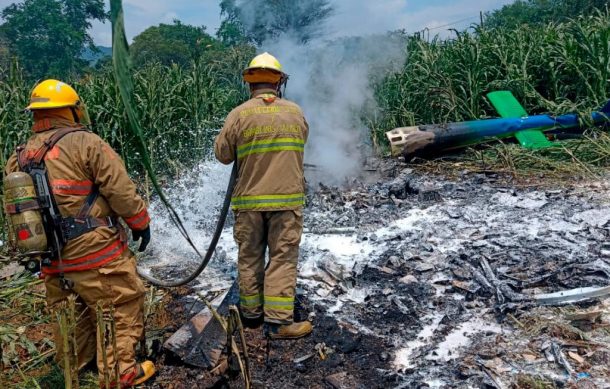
<point x="47" y="124"/>
<point x="263" y="91"/>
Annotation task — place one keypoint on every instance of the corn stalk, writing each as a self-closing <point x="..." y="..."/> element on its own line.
<point x="106" y="337"/>
<point x="230" y="325"/>
<point x="66" y="316"/>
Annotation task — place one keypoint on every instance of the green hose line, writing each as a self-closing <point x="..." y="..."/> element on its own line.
<point x="122" y="72"/>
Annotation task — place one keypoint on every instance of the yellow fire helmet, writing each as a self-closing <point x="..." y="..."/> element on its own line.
<point x="264" y="68"/>
<point x="53" y="94"/>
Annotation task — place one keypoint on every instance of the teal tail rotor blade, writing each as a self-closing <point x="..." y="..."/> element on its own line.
<point x="509" y="107"/>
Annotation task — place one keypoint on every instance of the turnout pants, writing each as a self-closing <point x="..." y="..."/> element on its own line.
<point x="115" y="284"/>
<point x="271" y="290"/>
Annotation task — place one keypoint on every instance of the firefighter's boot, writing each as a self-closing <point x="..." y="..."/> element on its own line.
<point x="288" y="331"/>
<point x="141" y="373"/>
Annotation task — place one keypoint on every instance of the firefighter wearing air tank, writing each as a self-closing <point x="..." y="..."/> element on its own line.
<point x="266" y="137"/>
<point x="85" y="244"/>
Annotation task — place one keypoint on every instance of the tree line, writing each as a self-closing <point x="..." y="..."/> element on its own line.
<point x="51" y="38"/>
<point x="539" y="12"/>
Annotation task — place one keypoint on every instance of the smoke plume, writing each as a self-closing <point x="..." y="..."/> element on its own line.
<point x="331" y="79"/>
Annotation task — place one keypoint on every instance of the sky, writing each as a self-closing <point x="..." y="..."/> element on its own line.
<point x="352" y="17"/>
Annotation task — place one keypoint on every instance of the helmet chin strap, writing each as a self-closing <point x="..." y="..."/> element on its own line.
<point x="80" y="114"/>
<point x="282" y="85"/>
<point x="75" y="115"/>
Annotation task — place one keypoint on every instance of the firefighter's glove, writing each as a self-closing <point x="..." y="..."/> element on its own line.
<point x="144" y="234"/>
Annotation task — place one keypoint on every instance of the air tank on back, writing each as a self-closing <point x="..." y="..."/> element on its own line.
<point x="26" y="229"/>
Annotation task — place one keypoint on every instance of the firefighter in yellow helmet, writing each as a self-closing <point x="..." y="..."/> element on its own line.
<point x="90" y="188"/>
<point x="266" y="137"/>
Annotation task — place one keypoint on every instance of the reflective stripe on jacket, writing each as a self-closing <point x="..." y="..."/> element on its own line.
<point x="90" y="261"/>
<point x="79" y="162"/>
<point x="266" y="136"/>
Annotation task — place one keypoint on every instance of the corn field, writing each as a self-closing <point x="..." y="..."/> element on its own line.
<point x="555" y="68"/>
<point x="181" y="108"/>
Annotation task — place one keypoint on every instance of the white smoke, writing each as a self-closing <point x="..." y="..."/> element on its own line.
<point x="331" y="81"/>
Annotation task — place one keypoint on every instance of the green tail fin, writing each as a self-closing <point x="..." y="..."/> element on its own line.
<point x="506" y="104"/>
<point x="509" y="107"/>
<point x="533" y="139"/>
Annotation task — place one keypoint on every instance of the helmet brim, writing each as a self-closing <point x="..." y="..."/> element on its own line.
<point x="255" y="75"/>
<point x="49" y="105"/>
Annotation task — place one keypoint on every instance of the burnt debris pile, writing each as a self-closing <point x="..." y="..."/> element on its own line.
<point x="475" y="281"/>
<point x="416" y="280"/>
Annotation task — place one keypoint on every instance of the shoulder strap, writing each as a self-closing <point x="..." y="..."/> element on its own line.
<point x="24" y="162"/>
<point x="21" y="160"/>
<point x="85" y="210"/>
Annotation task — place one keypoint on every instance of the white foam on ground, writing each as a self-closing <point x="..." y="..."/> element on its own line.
<point x="197" y="197"/>
<point x="460" y="337"/>
<point x="593" y="217"/>
<point x="500" y="220"/>
<point x="412" y="222"/>
<point x="345" y="250"/>
<point x="341" y="246"/>
<point x="562" y="225"/>
<point x="449" y="348"/>
<point x="353" y="295"/>
<point x="532" y="200"/>
<point x="403" y="358"/>
<point x="435" y="383"/>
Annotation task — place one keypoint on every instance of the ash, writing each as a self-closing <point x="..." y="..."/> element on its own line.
<point x="436" y="282"/>
<point x="444" y="272"/>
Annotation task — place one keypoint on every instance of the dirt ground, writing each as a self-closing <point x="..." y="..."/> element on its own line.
<point x="273" y="362"/>
<point x="419" y="280"/>
<point x="412" y="280"/>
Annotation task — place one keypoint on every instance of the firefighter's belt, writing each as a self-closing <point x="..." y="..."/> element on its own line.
<point x="13" y="209"/>
<point x="73" y="227"/>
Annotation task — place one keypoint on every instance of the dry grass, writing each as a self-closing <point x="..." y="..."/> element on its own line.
<point x="26" y="337"/>
<point x="25" y="331"/>
<point x="525" y="381"/>
<point x="567" y="162"/>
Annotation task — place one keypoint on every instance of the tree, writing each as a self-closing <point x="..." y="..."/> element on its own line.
<point x="171" y="43"/>
<point x="49" y="35"/>
<point x="231" y="31"/>
<point x="542" y="11"/>
<point x="259" y="20"/>
<point x="4" y="52"/>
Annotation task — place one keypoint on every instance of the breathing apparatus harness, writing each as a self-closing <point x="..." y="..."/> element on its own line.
<point x="58" y="229"/>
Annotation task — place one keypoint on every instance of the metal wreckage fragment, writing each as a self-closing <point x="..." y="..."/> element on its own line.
<point x="201" y="341"/>
<point x="571" y="295"/>
<point x="478" y="270"/>
<point x="505" y="294"/>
